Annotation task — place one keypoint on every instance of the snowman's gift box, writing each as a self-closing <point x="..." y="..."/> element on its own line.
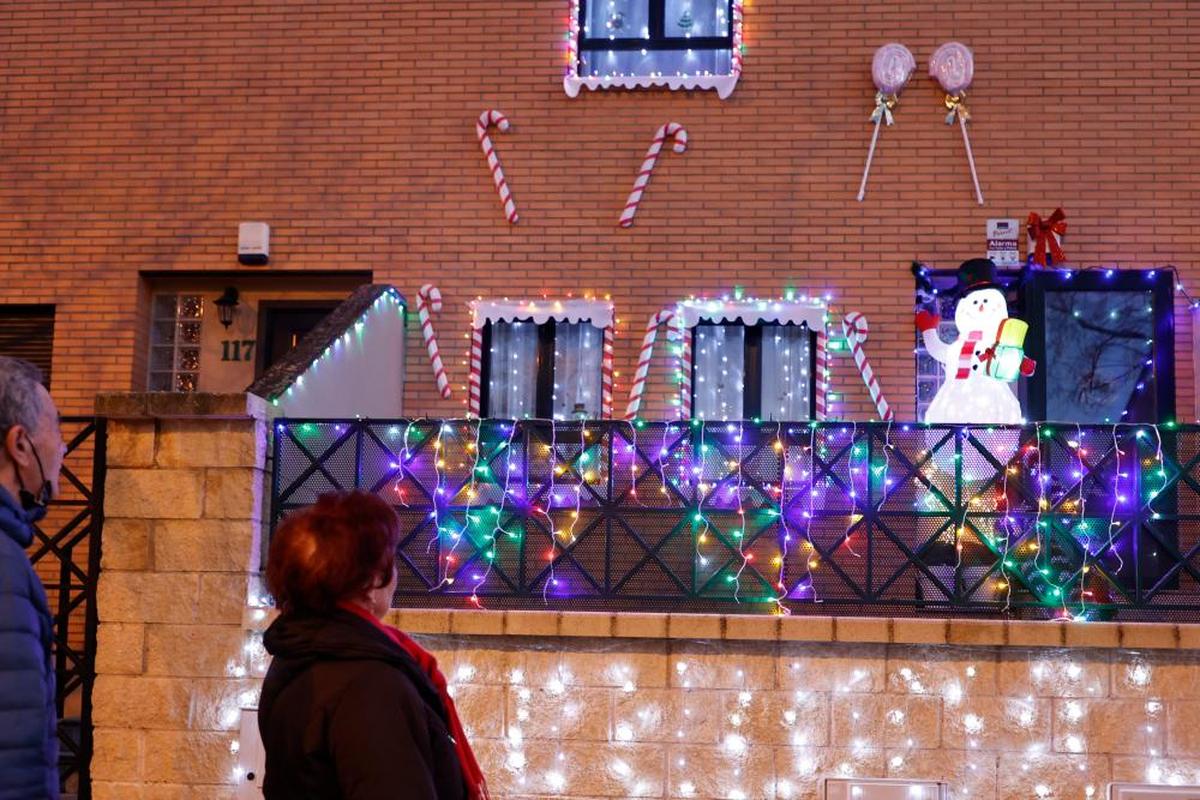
<point x="1006" y="360"/>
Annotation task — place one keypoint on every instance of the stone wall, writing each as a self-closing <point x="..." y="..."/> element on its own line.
<point x="589" y="705"/>
<point x="181" y="543"/>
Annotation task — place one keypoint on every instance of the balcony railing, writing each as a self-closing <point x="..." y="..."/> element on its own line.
<point x="1037" y="521"/>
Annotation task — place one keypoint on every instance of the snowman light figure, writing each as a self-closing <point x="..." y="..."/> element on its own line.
<point x="985" y="357"/>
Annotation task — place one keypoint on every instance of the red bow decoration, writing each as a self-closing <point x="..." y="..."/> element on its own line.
<point x="1045" y="234"/>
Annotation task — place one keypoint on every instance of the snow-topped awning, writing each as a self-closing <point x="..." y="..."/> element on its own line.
<point x="806" y="311"/>
<point x="598" y="312"/>
<point x="723" y="84"/>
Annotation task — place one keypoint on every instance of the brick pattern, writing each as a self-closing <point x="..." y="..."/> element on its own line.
<point x="137" y="135"/>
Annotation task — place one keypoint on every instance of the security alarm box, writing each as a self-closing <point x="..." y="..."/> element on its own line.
<point x="254" y="243"/>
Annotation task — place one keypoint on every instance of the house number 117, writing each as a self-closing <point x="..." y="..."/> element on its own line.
<point x="237" y="349"/>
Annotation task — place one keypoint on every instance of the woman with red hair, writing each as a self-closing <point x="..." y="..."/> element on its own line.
<point x="351" y="708"/>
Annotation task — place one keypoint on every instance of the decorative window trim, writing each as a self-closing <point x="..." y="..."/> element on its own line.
<point x="599" y="313"/>
<point x="811" y="312"/>
<point x="722" y="84"/>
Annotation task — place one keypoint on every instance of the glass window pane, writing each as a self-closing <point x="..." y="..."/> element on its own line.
<point x="617" y="19"/>
<point x="162" y="382"/>
<point x="578" y="351"/>
<point x="164" y="306"/>
<point x="512" y="370"/>
<point x="189" y="359"/>
<point x="162" y="359"/>
<point x="719" y="353"/>
<point x="189" y="332"/>
<point x="185" y="382"/>
<point x="162" y="333"/>
<point x="1099" y="357"/>
<point x="191" y="306"/>
<point x="598" y="63"/>
<point x="692" y="18"/>
<point x="786" y="373"/>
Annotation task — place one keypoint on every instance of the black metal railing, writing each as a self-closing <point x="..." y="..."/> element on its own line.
<point x="1035" y="521"/>
<point x="66" y="555"/>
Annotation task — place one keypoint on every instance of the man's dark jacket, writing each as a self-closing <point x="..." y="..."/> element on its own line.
<point x="28" y="720"/>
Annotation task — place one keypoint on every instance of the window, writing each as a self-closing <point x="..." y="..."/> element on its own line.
<point x="753" y="371"/>
<point x="750" y="359"/>
<point x="686" y="44"/>
<point x="1104" y="341"/>
<point x="549" y="360"/>
<point x="27" y="332"/>
<point x="175" y="342"/>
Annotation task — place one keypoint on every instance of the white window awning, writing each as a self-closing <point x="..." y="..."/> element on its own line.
<point x="597" y="312"/>
<point x="806" y="311"/>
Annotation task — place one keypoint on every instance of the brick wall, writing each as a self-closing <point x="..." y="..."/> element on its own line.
<point x="138" y="133"/>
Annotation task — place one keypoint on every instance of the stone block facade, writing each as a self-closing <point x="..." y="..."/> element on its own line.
<point x="587" y="705"/>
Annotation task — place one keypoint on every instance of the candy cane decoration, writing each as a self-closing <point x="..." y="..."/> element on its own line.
<point x="854" y="325"/>
<point x="430" y="299"/>
<point x="658" y="319"/>
<point x="486" y="119"/>
<point x="606" y="375"/>
<point x="822" y="374"/>
<point x="476" y="369"/>
<point x="673" y="129"/>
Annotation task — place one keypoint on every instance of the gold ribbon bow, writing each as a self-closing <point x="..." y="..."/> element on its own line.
<point x="956" y="103"/>
<point x="884" y="103"/>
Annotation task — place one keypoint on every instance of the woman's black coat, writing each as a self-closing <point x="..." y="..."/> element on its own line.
<point x="346" y="714"/>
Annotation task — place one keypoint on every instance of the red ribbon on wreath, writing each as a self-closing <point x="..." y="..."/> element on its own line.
<point x="1045" y="234"/>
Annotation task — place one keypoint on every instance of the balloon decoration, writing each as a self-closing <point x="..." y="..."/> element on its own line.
<point x="891" y="68"/>
<point x="953" y="66"/>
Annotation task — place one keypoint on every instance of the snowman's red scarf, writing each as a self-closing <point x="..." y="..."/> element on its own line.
<point x="965" y="354"/>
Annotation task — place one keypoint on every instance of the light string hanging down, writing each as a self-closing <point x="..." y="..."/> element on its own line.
<point x="672" y="129"/>
<point x="486" y="120"/>
<point x="429" y="298"/>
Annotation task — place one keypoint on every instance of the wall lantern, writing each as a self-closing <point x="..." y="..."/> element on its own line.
<point x="226" y="305"/>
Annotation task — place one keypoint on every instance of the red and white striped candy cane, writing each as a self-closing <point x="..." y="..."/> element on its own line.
<point x="636" y="391"/>
<point x="476" y="370"/>
<point x="486" y="119"/>
<point x="822" y="375"/>
<point x="854" y="325"/>
<point x="606" y="375"/>
<point x="673" y="129"/>
<point x="430" y="299"/>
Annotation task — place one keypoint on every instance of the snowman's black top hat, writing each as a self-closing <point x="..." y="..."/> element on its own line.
<point x="975" y="274"/>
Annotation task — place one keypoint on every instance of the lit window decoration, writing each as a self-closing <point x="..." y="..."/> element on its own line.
<point x="788" y="383"/>
<point x="679" y="44"/>
<point x="575" y="336"/>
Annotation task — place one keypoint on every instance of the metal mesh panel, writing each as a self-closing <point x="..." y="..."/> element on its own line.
<point x="1035" y="521"/>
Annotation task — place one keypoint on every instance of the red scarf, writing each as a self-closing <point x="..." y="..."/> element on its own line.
<point x="472" y="774"/>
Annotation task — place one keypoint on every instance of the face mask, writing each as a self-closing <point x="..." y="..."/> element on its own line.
<point x="30" y="501"/>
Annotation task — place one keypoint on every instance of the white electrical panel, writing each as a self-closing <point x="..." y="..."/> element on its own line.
<point x="883" y="789"/>
<point x="252" y="759"/>
<point x="1146" y="791"/>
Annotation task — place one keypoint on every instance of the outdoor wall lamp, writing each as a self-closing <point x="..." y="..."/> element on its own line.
<point x="226" y="305"/>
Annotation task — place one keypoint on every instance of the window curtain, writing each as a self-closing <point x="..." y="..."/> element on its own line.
<point x="512" y="370"/>
<point x="578" y="350"/>
<point x="618" y="19"/>
<point x="719" y="355"/>
<point x="786" y="373"/>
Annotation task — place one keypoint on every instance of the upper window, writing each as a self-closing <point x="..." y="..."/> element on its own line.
<point x="689" y="44"/>
<point x="175" y="342"/>
<point x="751" y="359"/>
<point x="543" y="360"/>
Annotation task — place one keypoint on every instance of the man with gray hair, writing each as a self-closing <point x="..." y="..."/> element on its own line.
<point x="31" y="456"/>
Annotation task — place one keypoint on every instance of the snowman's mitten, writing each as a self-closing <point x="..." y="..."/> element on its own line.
<point x="927" y="321"/>
<point x="1028" y="365"/>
